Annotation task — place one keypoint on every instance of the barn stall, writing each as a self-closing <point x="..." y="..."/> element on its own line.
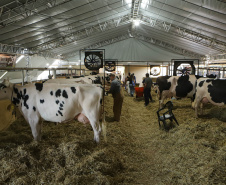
<point x="65" y="38"/>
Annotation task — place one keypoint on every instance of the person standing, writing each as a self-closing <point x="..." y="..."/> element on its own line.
<point x="132" y="84"/>
<point x="147" y="89"/>
<point x="117" y="95"/>
<point x="127" y="79"/>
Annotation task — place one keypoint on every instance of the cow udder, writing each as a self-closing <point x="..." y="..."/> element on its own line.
<point x="205" y="100"/>
<point x="82" y="118"/>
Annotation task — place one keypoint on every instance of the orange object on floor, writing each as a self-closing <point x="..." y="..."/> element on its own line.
<point x="139" y="91"/>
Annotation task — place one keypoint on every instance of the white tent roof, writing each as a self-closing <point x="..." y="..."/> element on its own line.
<point x="133" y="49"/>
<point x="60" y="28"/>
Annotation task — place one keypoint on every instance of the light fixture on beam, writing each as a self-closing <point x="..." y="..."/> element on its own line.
<point x="145" y="3"/>
<point x="3" y="74"/>
<point x="136" y="22"/>
<point x="20" y="58"/>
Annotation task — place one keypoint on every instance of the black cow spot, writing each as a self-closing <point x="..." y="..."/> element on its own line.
<point x="2" y="86"/>
<point x="63" y="102"/>
<point x="217" y="91"/>
<point x="39" y="86"/>
<point x="184" y="86"/>
<point x="60" y="113"/>
<point x="15" y="101"/>
<point x="15" y="90"/>
<point x="58" y="93"/>
<point x="163" y="84"/>
<point x="61" y="108"/>
<point x="26" y="97"/>
<point x="56" y="114"/>
<point x="198" y="76"/>
<point x="97" y="80"/>
<point x="211" y="76"/>
<point x="42" y="101"/>
<point x="73" y="90"/>
<point x="101" y="101"/>
<point x="61" y="105"/>
<point x="201" y="83"/>
<point x="51" y="93"/>
<point x="57" y="101"/>
<point x="34" y="108"/>
<point x="209" y="80"/>
<point x="65" y="94"/>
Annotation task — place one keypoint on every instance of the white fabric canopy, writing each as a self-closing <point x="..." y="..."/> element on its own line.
<point x="136" y="50"/>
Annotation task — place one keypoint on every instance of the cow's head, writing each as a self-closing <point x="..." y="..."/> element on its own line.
<point x="97" y="80"/>
<point x="5" y="90"/>
<point x="107" y="79"/>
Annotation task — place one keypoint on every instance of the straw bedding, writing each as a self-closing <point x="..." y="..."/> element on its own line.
<point x="137" y="151"/>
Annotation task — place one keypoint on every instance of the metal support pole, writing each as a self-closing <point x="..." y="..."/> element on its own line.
<point x="54" y="73"/>
<point x="171" y="68"/>
<point x="80" y="57"/>
<point x="168" y="69"/>
<point x="198" y="68"/>
<point x="27" y="66"/>
<point x="22" y="77"/>
<point x="104" y="80"/>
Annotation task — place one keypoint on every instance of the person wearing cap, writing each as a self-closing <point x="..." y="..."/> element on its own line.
<point x="147" y="89"/>
<point x="117" y="95"/>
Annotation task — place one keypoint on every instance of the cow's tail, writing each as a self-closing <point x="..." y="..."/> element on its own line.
<point x="103" y="124"/>
<point x="104" y="127"/>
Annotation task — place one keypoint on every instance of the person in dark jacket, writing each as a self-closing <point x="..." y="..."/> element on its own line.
<point x="132" y="84"/>
<point x="117" y="95"/>
<point x="147" y="89"/>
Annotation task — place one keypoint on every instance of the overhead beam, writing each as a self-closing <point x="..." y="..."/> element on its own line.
<point x="135" y="8"/>
<point x="21" y="11"/>
<point x="217" y="57"/>
<point x="169" y="47"/>
<point x="159" y="43"/>
<point x="84" y="33"/>
<point x="97" y="45"/>
<point x="10" y="49"/>
<point x="185" y="33"/>
<point x="17" y="50"/>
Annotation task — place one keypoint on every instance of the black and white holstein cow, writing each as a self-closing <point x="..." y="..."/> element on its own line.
<point x="209" y="91"/>
<point x="175" y="86"/>
<point x="94" y="79"/>
<point x="56" y="103"/>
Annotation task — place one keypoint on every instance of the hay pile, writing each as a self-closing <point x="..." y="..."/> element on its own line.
<point x="137" y="151"/>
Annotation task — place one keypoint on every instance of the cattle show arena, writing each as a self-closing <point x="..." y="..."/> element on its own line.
<point x="112" y="92"/>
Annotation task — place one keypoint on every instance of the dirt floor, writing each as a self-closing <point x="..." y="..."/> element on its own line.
<point x="136" y="152"/>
